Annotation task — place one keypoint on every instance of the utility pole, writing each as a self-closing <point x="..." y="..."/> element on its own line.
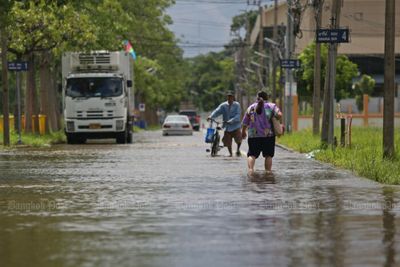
<point x="6" y="114"/>
<point x="317" y="4"/>
<point x="260" y="35"/>
<point x="289" y="73"/>
<point x="389" y="82"/>
<point x="239" y="60"/>
<point x="261" y="41"/>
<point x="328" y="127"/>
<point x="274" y="61"/>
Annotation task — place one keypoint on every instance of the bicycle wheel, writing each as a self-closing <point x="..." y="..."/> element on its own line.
<point x="215" y="145"/>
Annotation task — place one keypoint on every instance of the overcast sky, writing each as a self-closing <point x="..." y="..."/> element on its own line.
<point x="204" y="25"/>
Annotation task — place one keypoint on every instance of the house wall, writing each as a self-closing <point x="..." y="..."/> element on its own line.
<point x="364" y="18"/>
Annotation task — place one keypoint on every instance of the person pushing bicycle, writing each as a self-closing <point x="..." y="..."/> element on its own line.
<point x="231" y="112"/>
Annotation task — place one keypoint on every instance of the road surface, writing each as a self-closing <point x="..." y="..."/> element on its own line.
<point x="163" y="201"/>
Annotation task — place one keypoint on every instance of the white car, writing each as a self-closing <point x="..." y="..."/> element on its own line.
<point x="177" y="125"/>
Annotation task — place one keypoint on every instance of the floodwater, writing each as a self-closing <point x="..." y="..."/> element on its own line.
<point x="163" y="201"/>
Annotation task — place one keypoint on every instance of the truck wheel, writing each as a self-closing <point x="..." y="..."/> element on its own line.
<point x="129" y="133"/>
<point x="82" y="140"/>
<point x="75" y="139"/>
<point x="121" y="138"/>
<point x="70" y="139"/>
<point x="129" y="138"/>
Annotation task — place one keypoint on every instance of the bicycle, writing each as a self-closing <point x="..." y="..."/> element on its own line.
<point x="214" y="139"/>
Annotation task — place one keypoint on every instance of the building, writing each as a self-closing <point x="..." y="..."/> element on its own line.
<point x="365" y="20"/>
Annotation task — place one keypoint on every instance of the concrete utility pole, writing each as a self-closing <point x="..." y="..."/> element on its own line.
<point x="289" y="44"/>
<point x="261" y="42"/>
<point x="328" y="127"/>
<point x="6" y="114"/>
<point x="389" y="82"/>
<point x="239" y="60"/>
<point x="274" y="61"/>
<point x="317" y="68"/>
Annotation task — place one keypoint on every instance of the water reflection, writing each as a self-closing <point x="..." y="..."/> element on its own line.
<point x="262" y="178"/>
<point x="95" y="204"/>
<point x="335" y="231"/>
<point x="389" y="227"/>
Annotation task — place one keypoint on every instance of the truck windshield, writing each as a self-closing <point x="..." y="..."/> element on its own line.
<point x="94" y="87"/>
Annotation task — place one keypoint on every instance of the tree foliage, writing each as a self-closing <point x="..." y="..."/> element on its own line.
<point x="345" y="72"/>
<point x="38" y="26"/>
<point x="364" y="86"/>
<point x="211" y="76"/>
<point x="44" y="26"/>
<point x="243" y="20"/>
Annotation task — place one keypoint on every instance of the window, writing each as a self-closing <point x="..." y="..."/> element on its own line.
<point x="94" y="87"/>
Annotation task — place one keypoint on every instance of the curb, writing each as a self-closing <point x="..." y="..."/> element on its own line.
<point x="286" y="148"/>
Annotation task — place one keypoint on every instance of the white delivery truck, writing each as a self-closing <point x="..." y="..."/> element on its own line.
<point x="97" y="96"/>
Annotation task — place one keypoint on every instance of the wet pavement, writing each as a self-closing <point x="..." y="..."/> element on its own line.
<point x="163" y="201"/>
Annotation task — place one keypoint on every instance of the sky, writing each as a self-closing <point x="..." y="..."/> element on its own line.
<point x="204" y="25"/>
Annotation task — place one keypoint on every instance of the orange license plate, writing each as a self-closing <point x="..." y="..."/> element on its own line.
<point x="94" y="126"/>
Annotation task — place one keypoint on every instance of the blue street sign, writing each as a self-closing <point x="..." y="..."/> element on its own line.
<point x="290" y="63"/>
<point x="17" y="66"/>
<point x="333" y="36"/>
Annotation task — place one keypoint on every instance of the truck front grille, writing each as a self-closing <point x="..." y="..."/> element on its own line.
<point x="94" y="114"/>
<point x="97" y="114"/>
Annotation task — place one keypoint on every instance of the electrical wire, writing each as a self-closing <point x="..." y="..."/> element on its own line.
<point x="241" y="2"/>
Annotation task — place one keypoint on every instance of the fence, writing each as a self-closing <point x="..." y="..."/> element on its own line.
<point x="372" y="115"/>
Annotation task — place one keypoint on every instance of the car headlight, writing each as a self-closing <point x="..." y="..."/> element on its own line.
<point x="119" y="125"/>
<point x="70" y="126"/>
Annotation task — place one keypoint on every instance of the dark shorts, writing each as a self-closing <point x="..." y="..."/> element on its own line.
<point x="228" y="136"/>
<point x="266" y="145"/>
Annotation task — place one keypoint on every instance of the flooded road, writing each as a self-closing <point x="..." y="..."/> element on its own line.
<point x="163" y="201"/>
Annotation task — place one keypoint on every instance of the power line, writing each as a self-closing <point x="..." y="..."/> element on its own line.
<point x="217" y="2"/>
<point x="202" y="24"/>
<point x="210" y="2"/>
<point x="201" y="21"/>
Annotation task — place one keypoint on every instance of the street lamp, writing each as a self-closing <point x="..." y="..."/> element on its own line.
<point x="289" y="82"/>
<point x="272" y="42"/>
<point x="249" y="70"/>
<point x="275" y="45"/>
<point x="257" y="65"/>
<point x="261" y="54"/>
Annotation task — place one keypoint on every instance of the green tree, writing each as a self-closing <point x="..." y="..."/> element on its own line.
<point x="163" y="86"/>
<point x="364" y="86"/>
<point x="211" y="76"/>
<point x="345" y="72"/>
<point x="43" y="29"/>
<point x="242" y="20"/>
<point x="4" y="73"/>
<point x="37" y="28"/>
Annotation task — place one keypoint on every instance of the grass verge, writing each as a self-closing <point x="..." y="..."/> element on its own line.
<point x="364" y="158"/>
<point x="33" y="140"/>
